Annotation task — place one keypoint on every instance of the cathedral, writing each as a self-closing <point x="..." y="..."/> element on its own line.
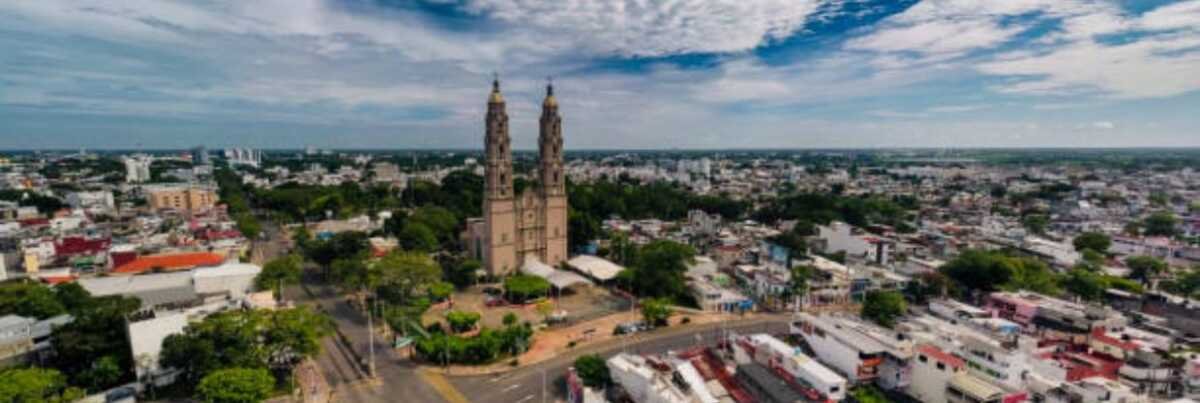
<point x="529" y="227"/>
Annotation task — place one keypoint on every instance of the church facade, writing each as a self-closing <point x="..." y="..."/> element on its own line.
<point x="532" y="225"/>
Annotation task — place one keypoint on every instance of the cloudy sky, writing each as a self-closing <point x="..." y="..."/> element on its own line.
<point x="628" y="73"/>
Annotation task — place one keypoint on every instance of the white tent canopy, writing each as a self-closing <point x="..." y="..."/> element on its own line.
<point x="596" y="267"/>
<point x="559" y="278"/>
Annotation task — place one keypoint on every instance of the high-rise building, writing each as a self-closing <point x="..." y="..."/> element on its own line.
<point x="200" y="156"/>
<point x="243" y="156"/>
<point x="137" y="168"/>
<point x="531" y="225"/>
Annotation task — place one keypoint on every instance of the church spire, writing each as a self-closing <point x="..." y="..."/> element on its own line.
<point x="495" y="97"/>
<point x="550" y="100"/>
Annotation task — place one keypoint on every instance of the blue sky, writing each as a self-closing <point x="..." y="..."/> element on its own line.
<point x="628" y="73"/>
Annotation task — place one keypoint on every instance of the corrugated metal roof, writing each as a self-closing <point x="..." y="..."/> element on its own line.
<point x="975" y="387"/>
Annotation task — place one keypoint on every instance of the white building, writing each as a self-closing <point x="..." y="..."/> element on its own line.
<point x="145" y="342"/>
<point x="243" y="156"/>
<point x="652" y="380"/>
<point x="137" y="168"/>
<point x="781" y="357"/>
<point x="98" y="201"/>
<point x="842" y="237"/>
<point x="932" y="371"/>
<point x="1094" y="390"/>
<point x="852" y="354"/>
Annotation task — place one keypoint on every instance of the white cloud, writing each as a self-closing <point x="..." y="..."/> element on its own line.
<point x="1104" y="125"/>
<point x="1133" y="70"/>
<point x="955" y="108"/>
<point x="655" y="28"/>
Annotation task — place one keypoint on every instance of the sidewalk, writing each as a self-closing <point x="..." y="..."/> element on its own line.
<point x="554" y="342"/>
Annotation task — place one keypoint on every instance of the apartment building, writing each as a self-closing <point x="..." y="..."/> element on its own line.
<point x="799" y="370"/>
<point x="833" y="340"/>
<point x="191" y="199"/>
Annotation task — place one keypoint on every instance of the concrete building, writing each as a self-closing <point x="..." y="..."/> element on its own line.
<point x="187" y="198"/>
<point x="653" y="380"/>
<point x="842" y="237"/>
<point x="932" y="371"/>
<point x="243" y="156"/>
<point x="852" y="354"/>
<point x="531" y="226"/>
<point x="137" y="168"/>
<point x="799" y="370"/>
<point x="98" y="201"/>
<point x="200" y="156"/>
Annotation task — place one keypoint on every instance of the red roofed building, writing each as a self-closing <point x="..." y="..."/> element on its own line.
<point x="1120" y="349"/>
<point x="77" y="245"/>
<point x="170" y="262"/>
<point x="932" y="370"/>
<point x="941" y="356"/>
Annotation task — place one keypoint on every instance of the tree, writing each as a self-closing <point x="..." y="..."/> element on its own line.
<point x="522" y="287"/>
<point x="1036" y="223"/>
<point x="582" y="228"/>
<point x="279" y="272"/>
<point x="1031" y="274"/>
<point x="403" y="274"/>
<point x="869" y="394"/>
<point x="1094" y="241"/>
<point x="798" y="282"/>
<point x="94" y="348"/>
<point x="244" y="339"/>
<point x="463" y="273"/>
<point x="510" y="319"/>
<point x="1085" y="284"/>
<point x="236" y="385"/>
<point x="440" y="291"/>
<point x="29" y="299"/>
<point x="352" y="275"/>
<point x="36" y="385"/>
<point x="884" y="307"/>
<point x="656" y="311"/>
<point x="1145" y="268"/>
<point x="978" y="270"/>
<point x="660" y="269"/>
<point x="1160" y="224"/>
<point x="1186" y="284"/>
<point x="928" y="285"/>
<point x="461" y="321"/>
<point x="248" y="225"/>
<point x="417" y="236"/>
<point x="72" y="296"/>
<point x="593" y="371"/>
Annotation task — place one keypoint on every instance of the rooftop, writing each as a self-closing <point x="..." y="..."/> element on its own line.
<point x="170" y="262"/>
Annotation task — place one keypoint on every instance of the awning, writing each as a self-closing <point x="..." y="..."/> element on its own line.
<point x="596" y="267"/>
<point x="558" y="278"/>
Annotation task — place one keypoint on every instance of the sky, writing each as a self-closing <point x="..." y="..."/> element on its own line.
<point x="646" y="74"/>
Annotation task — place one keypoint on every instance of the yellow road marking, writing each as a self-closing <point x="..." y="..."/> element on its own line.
<point x="442" y="386"/>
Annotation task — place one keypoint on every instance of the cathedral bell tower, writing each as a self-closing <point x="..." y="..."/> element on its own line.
<point x="552" y="180"/>
<point x="498" y="206"/>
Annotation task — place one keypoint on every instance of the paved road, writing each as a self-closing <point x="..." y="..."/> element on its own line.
<point x="526" y="385"/>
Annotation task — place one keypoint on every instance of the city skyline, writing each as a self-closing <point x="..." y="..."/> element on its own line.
<point x="694" y="75"/>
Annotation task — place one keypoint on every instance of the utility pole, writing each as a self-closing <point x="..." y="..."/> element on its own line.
<point x="371" y="342"/>
<point x="543" y="385"/>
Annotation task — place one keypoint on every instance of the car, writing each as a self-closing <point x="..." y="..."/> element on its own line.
<point x="630" y="327"/>
<point x="494" y="301"/>
<point x="124" y="394"/>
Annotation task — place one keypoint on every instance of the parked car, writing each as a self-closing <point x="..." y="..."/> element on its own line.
<point x="630" y="327"/>
<point x="494" y="301"/>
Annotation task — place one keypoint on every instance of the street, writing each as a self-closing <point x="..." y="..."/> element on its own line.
<point x="525" y="385"/>
<point x="342" y="358"/>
